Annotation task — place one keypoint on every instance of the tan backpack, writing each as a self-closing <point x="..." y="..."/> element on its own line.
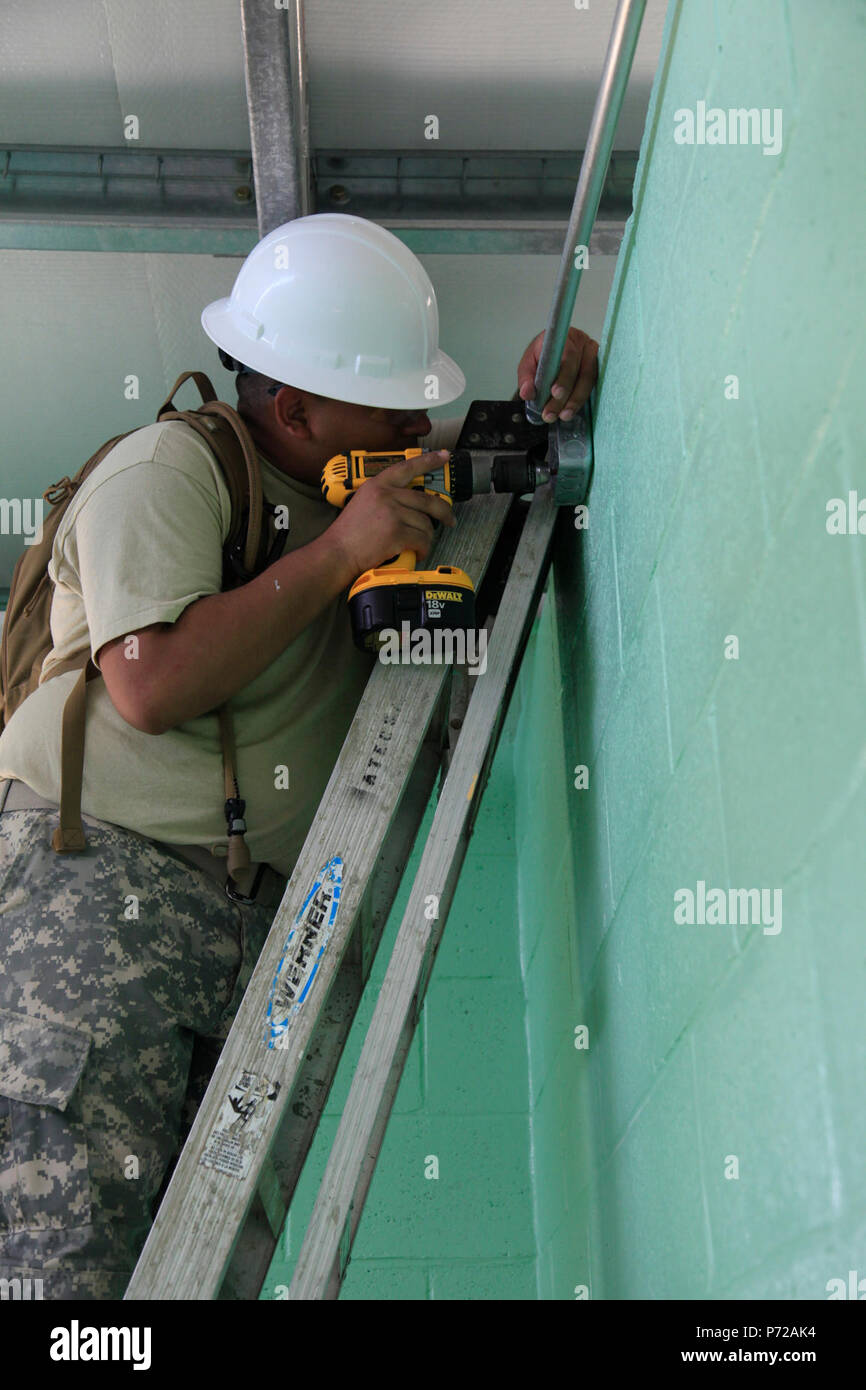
<point x="26" y="638"/>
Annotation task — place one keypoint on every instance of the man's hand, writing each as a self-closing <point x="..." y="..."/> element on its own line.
<point x="386" y="516"/>
<point x="578" y="371"/>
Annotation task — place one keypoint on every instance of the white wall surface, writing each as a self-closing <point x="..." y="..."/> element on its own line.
<point x="78" y="323"/>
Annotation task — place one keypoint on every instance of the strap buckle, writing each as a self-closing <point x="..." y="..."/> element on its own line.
<point x="233" y="892"/>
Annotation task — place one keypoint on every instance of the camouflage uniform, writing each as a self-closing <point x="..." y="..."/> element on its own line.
<point x="110" y="1026"/>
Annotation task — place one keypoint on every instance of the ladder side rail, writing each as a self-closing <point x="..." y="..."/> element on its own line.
<point x="282" y="1169"/>
<point x="348" y="1173"/>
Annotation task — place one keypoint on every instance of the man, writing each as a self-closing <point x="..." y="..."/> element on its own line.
<point x="122" y="966"/>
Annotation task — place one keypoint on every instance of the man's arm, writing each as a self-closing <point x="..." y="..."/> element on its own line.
<point x="222" y="642"/>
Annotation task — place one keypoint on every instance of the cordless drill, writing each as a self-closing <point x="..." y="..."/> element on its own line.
<point x="396" y="591"/>
<point x="498" y="451"/>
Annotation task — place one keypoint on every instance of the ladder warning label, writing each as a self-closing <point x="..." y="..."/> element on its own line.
<point x="303" y="951"/>
<point x="233" y="1139"/>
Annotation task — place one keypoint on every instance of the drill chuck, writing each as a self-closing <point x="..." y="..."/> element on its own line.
<point x="508" y="473"/>
<point x="511" y="473"/>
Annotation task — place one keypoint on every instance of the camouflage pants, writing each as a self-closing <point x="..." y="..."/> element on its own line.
<point x="121" y="969"/>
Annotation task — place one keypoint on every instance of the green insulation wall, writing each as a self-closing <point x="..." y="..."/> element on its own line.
<point x="708" y="649"/>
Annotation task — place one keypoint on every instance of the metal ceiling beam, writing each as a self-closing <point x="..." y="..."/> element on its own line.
<point x="204" y="201"/>
<point x="275" y="68"/>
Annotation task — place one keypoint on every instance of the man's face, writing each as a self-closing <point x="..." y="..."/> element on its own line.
<point x="302" y="432"/>
<point x="339" y="426"/>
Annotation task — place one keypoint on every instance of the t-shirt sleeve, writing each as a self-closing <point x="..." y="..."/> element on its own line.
<point x="146" y="540"/>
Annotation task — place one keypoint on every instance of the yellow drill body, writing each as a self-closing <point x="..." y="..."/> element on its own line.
<point x="395" y="591"/>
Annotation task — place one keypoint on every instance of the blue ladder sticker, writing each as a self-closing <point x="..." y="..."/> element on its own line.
<point x="303" y="951"/>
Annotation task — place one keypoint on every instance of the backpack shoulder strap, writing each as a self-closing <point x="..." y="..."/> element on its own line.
<point x="205" y="390"/>
<point x="253" y="478"/>
<point x="69" y="834"/>
<point x="225" y="448"/>
<point x="243" y="475"/>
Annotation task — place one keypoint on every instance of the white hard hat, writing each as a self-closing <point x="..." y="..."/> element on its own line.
<point x="337" y="305"/>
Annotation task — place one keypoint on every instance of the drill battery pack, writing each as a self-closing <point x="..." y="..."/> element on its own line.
<point x="382" y="599"/>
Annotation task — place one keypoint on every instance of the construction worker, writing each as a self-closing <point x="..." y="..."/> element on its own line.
<point x="122" y="966"/>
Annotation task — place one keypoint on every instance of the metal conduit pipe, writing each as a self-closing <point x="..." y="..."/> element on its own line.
<point x="614" y="80"/>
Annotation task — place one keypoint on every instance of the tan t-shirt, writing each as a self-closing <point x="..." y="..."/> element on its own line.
<point x="140" y="541"/>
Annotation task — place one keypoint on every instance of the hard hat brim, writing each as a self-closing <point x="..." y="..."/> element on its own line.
<point x="440" y="382"/>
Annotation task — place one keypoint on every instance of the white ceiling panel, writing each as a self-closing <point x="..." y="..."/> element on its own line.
<point x="499" y="74"/>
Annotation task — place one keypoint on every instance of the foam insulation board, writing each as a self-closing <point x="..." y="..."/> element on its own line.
<point x="499" y="74"/>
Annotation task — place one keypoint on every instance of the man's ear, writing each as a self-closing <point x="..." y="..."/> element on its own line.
<point x="290" y="412"/>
